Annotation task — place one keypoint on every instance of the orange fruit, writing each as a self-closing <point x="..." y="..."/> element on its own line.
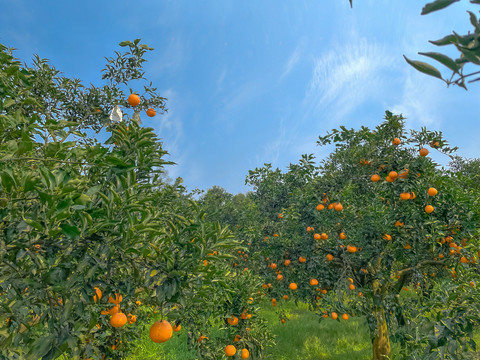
<point x="285" y="297"/>
<point x="329" y="257"/>
<point x="280" y="216"/>
<point x="177" y="328"/>
<point x="279" y="277"/>
<point x="287" y="262"/>
<point x="104" y="312"/>
<point x="351" y="249"/>
<point x="389" y="179"/>
<point x="131" y="318"/>
<point x="283" y="321"/>
<point x="423" y="152"/>
<point x="269" y="285"/>
<point x="338" y="207"/>
<point x="302" y="259"/>
<point x="245" y="354"/>
<point x="351" y="287"/>
<point x="334" y="315"/>
<point x="201" y="338"/>
<point x="324" y="236"/>
<point x="342" y="236"/>
<point x="161" y="331"/>
<point x="407" y="247"/>
<point x="472" y="284"/>
<point x="264" y="286"/>
<point x="138" y="302"/>
<point x="463" y="260"/>
<point x="230" y="350"/>
<point x="429" y="209"/>
<point x="441" y="256"/>
<point x="133" y="99"/>
<point x="114" y="310"/>
<point x="237" y="338"/>
<point x="118" y="299"/>
<point x="393" y="174"/>
<point x="313" y="282"/>
<point x="345" y="317"/>
<point x="398" y="223"/>
<point x="273" y="266"/>
<point x="118" y="320"/>
<point x="232" y="320"/>
<point x="151" y="112"/>
<point x="317" y="236"/>
<point x="375" y="177"/>
<point x="275" y="235"/>
<point x="98" y="293"/>
<point x="292" y="286"/>
<point x="320" y="207"/>
<point x="405" y="196"/>
<point x="403" y="174"/>
<point x="432" y="191"/>
<point x="396" y="141"/>
<point x="330" y="206"/>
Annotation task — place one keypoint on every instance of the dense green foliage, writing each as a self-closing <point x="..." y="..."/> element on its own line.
<point x="77" y="214"/>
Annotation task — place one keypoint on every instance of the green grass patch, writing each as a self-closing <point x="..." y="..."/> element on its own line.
<point x="303" y="336"/>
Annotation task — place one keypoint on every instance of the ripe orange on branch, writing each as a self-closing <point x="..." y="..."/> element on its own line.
<point x="230" y="350"/>
<point x="98" y="293"/>
<point x="133" y="99"/>
<point x="151" y="112"/>
<point x="375" y="178"/>
<point x="161" y="331"/>
<point x="293" y="286"/>
<point x="432" y="191"/>
<point x="351" y="249"/>
<point x="245" y="354"/>
<point x="396" y="141"/>
<point x="423" y="152"/>
<point x="429" y="209"/>
<point x="118" y="320"/>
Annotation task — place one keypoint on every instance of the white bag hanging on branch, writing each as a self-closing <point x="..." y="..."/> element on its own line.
<point x="116" y="114"/>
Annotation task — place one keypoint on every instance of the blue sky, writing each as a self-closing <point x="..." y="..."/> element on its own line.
<point x="253" y="82"/>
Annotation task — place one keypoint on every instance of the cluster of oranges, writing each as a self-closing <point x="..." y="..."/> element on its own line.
<point x="117" y="318"/>
<point x="134" y="100"/>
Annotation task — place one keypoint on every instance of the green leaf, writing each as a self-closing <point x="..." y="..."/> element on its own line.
<point x="125" y="43"/>
<point x="443" y="59"/>
<point x="34" y="224"/>
<point x="437" y="5"/>
<point x="70" y="231"/>
<point x="424" y="68"/>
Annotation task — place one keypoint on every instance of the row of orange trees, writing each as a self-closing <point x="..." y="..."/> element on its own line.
<point x="378" y="230"/>
<point x="95" y="245"/>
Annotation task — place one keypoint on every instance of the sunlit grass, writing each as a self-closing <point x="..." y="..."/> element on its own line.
<point x="301" y="337"/>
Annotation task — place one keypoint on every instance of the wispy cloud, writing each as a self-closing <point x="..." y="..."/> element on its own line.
<point x="293" y="60"/>
<point x="347" y="76"/>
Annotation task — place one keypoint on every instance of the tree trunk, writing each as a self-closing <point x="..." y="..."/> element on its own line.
<point x="381" y="341"/>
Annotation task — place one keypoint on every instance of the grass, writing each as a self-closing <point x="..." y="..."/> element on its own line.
<point x="301" y="337"/>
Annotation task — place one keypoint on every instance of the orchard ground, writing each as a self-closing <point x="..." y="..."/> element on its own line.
<point x="301" y="337"/>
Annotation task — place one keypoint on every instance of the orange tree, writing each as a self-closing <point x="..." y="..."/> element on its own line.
<point x="381" y="231"/>
<point x="93" y="241"/>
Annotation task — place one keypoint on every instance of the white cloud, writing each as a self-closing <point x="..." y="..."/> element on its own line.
<point x="347" y="76"/>
<point x="292" y="60"/>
